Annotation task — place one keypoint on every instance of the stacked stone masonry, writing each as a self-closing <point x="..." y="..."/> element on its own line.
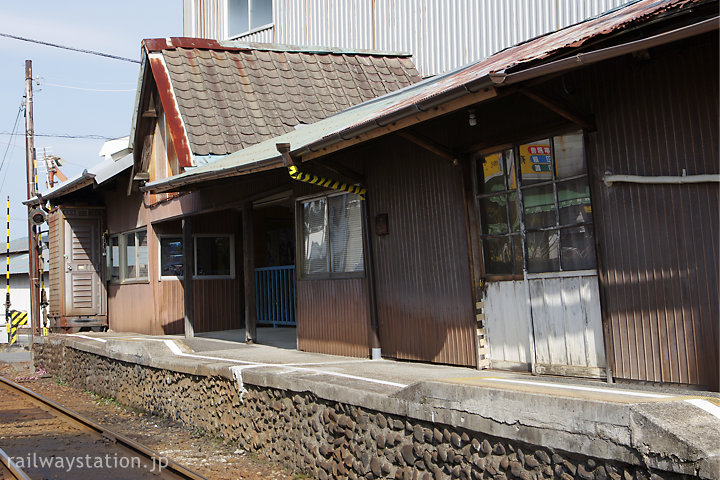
<point x="320" y="438"/>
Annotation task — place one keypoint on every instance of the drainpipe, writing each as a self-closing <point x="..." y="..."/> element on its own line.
<point x="375" y="349"/>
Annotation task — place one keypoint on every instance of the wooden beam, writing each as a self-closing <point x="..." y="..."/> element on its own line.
<point x="430" y="145"/>
<point x="284" y="150"/>
<point x="188" y="267"/>
<point x="442" y="109"/>
<point x="249" y="273"/>
<point x="560" y="108"/>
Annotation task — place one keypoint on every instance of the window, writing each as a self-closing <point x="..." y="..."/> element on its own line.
<point x="113" y="258"/>
<point x="214" y="256"/>
<point x="127" y="256"/>
<point x="332" y="236"/>
<point x="246" y="15"/>
<point x="539" y="189"/>
<point x="171" y="256"/>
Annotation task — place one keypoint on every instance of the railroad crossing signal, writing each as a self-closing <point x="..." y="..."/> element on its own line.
<point x="17" y="319"/>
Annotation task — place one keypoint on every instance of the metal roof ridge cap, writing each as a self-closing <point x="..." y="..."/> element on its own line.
<point x="177" y="107"/>
<point x="309" y="49"/>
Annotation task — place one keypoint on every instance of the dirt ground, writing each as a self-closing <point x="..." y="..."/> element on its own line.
<point x="208" y="456"/>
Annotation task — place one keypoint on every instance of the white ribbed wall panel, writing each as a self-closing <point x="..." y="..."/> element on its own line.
<point x="441" y="34"/>
<point x="265" y="35"/>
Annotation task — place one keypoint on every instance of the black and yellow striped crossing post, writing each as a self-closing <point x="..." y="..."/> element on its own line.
<point x="43" y="295"/>
<point x="17" y="319"/>
<point x="7" y="270"/>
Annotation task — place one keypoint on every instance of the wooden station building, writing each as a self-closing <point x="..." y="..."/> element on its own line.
<point x="552" y="208"/>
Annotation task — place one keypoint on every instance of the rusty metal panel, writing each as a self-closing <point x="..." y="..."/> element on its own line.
<point x="658" y="244"/>
<point x="333" y="317"/>
<point x="423" y="288"/>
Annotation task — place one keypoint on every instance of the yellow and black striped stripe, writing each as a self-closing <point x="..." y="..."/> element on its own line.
<point x="7" y="257"/>
<point x="17" y="319"/>
<point x="296" y="174"/>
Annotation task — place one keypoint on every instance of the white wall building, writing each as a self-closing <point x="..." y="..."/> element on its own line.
<point x="441" y="34"/>
<point x="19" y="278"/>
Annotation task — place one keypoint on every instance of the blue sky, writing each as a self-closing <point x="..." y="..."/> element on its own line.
<point x="110" y="27"/>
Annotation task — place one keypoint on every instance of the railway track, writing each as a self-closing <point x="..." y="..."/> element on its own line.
<point x="41" y="439"/>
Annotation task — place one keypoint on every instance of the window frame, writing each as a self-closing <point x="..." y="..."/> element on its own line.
<point x="300" y="245"/>
<point x="250" y="29"/>
<point x="519" y="189"/>
<point x="123" y="279"/>
<point x="160" y="237"/>
<point x="231" y="237"/>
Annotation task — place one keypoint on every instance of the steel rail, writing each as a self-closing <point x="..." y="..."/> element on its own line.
<point x="15" y="471"/>
<point x="87" y="424"/>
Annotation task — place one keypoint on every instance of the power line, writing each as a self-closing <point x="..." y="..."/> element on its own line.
<point x="85" y="89"/>
<point x="64" y="135"/>
<point x="91" y="52"/>
<point x="2" y="164"/>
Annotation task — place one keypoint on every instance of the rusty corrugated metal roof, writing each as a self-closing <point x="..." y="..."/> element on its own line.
<point x="385" y="109"/>
<point x="232" y="95"/>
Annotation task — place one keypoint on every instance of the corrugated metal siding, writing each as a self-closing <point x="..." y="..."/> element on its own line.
<point x="170" y="306"/>
<point x="218" y="305"/>
<point x="333" y="317"/>
<point x="424" y="300"/>
<point x="441" y="35"/>
<point x="130" y="309"/>
<point x="207" y="18"/>
<point x="659" y="243"/>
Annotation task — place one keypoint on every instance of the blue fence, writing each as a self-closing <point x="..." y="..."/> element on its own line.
<point x="275" y="295"/>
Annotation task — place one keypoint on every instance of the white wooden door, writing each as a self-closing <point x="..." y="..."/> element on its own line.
<point x="552" y="323"/>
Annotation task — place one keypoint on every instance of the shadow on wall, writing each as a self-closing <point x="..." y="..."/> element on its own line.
<point x="174" y="327"/>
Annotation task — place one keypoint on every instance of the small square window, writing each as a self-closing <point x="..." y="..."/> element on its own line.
<point x="171" y="256"/>
<point x="214" y="256"/>
<point x="127" y="256"/>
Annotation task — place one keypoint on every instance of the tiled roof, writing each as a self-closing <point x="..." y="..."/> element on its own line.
<point x="425" y="95"/>
<point x="231" y="98"/>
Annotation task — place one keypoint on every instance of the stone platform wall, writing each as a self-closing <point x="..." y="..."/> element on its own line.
<point x="320" y="438"/>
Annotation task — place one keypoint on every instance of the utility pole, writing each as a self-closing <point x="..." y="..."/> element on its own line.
<point x="32" y="230"/>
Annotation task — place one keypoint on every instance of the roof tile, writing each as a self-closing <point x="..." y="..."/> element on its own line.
<point x="231" y="99"/>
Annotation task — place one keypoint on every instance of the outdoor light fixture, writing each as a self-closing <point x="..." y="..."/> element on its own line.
<point x="472" y="119"/>
<point x="37" y="216"/>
